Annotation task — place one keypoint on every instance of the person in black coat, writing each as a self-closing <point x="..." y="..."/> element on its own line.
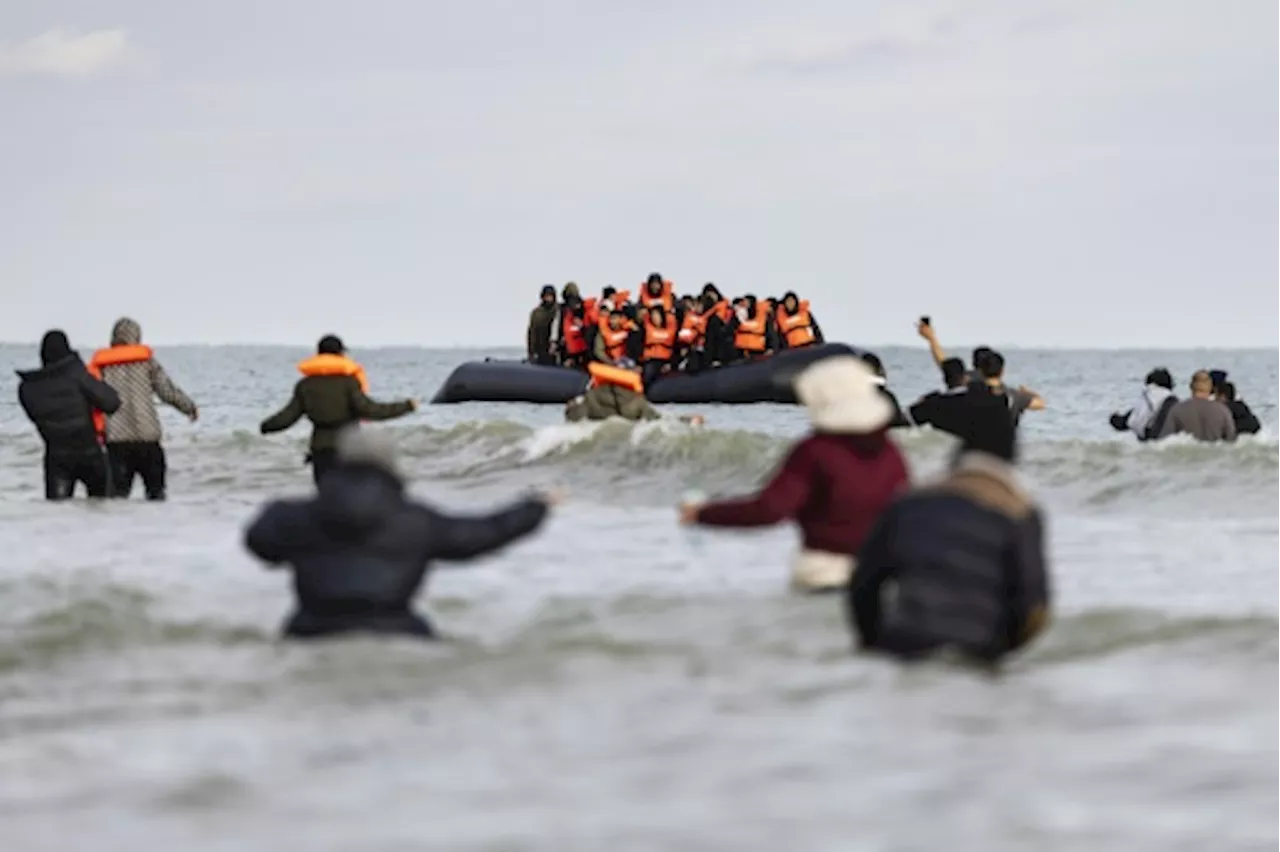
<point x="361" y="548"/>
<point x="964" y="560"/>
<point x="60" y="398"/>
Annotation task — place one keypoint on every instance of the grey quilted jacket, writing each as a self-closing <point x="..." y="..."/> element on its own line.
<point x="138" y="384"/>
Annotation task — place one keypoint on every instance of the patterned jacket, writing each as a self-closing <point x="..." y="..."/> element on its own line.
<point x="138" y="384"/>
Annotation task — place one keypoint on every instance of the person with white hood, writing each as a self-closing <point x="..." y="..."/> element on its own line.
<point x="834" y="483"/>
<point x="1147" y="417"/>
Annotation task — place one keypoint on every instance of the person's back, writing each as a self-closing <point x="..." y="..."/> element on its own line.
<point x="360" y="548"/>
<point x="1246" y="421"/>
<point x="1201" y="417"/>
<point x="965" y="562"/>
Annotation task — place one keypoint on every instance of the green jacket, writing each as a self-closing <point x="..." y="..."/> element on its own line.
<point x="610" y="401"/>
<point x="331" y="402"/>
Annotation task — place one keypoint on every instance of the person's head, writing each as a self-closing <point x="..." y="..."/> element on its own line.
<point x="1201" y="384"/>
<point x="629" y="311"/>
<point x="615" y="319"/>
<point x="873" y="362"/>
<point x="992" y="366"/>
<point x="654" y="284"/>
<point x="365" y="446"/>
<point x="712" y="292"/>
<point x="1160" y="377"/>
<point x="979" y="355"/>
<point x="657" y="315"/>
<point x="331" y="344"/>
<point x="126" y="332"/>
<point x="54" y="346"/>
<point x="791" y="302"/>
<point x="954" y="373"/>
<point x="1227" y="392"/>
<point x="687" y="302"/>
<point x="842" y="397"/>
<point x="548" y="295"/>
<point x="1218" y="377"/>
<point x="608" y="292"/>
<point x="570" y="293"/>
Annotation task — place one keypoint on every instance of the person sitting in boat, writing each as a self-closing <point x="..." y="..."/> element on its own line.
<point x="754" y="332"/>
<point x="613" y="299"/>
<point x="657" y="291"/>
<point x="616" y="338"/>
<point x="690" y="334"/>
<point x="796" y="325"/>
<point x="331" y="395"/>
<point x="572" y="332"/>
<point x="717" y="330"/>
<point x="616" y="390"/>
<point x="659" y="352"/>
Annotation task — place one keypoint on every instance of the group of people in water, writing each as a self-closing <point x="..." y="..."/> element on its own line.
<point x="957" y="564"/>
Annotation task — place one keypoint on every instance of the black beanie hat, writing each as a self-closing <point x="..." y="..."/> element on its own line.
<point x="331" y="344"/>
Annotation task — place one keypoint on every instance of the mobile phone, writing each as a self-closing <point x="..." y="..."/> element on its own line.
<point x="924" y="320"/>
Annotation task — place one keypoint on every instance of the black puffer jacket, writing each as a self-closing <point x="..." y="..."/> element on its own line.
<point x="360" y="549"/>
<point x="965" y="560"/>
<point x="60" y="399"/>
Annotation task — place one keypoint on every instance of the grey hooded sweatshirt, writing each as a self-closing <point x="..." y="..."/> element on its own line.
<point x="138" y="384"/>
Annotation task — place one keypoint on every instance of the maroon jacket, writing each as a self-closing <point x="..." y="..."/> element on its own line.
<point x="833" y="486"/>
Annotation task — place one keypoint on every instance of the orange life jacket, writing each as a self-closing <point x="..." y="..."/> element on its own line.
<point x="575" y="341"/>
<point x="615" y="341"/>
<point x="128" y="353"/>
<point x="659" y="341"/>
<point x="590" y="312"/>
<point x="692" y="329"/>
<point x="605" y="374"/>
<point x="326" y="364"/>
<point x="750" y="336"/>
<point x="665" y="298"/>
<point x="796" y="329"/>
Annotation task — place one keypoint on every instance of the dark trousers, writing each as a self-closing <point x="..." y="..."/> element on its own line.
<point x="321" y="461"/>
<point x="63" y="470"/>
<point x="132" y="459"/>
<point x="652" y="369"/>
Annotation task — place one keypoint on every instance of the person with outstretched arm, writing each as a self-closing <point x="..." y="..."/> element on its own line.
<point x="361" y="548"/>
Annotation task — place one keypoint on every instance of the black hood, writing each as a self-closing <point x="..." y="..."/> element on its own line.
<point x="354" y="500"/>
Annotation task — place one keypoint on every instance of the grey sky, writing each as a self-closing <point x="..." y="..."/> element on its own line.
<point x="1034" y="173"/>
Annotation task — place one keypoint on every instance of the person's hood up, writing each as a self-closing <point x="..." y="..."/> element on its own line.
<point x="570" y="293"/>
<point x="126" y="332"/>
<point x="54" y="347"/>
<point x="842" y="398"/>
<point x="356" y="497"/>
<point x="790" y="294"/>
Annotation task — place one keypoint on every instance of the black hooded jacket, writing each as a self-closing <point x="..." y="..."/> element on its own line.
<point x="60" y="399"/>
<point x="361" y="548"/>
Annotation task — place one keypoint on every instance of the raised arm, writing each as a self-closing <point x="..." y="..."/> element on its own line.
<point x="779" y="500"/>
<point x="458" y="538"/>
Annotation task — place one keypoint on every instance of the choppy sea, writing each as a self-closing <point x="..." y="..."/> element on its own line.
<point x="620" y="683"/>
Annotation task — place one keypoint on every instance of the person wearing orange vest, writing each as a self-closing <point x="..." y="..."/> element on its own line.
<point x="615" y="338"/>
<point x="717" y="332"/>
<point x="657" y="291"/>
<point x="332" y="394"/>
<point x="133" y="433"/>
<point x="754" y="333"/>
<point x="572" y="336"/>
<point x="616" y="390"/>
<point x="64" y="401"/>
<point x="659" y="347"/>
<point x="797" y="327"/>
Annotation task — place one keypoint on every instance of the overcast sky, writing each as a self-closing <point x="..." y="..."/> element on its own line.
<point x="411" y="172"/>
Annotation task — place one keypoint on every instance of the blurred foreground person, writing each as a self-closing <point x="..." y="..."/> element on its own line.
<point x="958" y="565"/>
<point x="834" y="483"/>
<point x="332" y="394"/>
<point x="361" y="548"/>
<point x="68" y="407"/>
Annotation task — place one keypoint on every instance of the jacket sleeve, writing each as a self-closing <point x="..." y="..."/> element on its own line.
<point x="530" y="334"/>
<point x="278" y="531"/>
<point x="598" y="350"/>
<point x="1172" y="424"/>
<point x="285" y="417"/>
<point x="168" y="392"/>
<point x="100" y="394"/>
<point x="458" y="538"/>
<point x="817" y="330"/>
<point x="899" y="417"/>
<point x="875" y="565"/>
<point x="368" y="409"/>
<point x="776" y="502"/>
<point x="1027" y="582"/>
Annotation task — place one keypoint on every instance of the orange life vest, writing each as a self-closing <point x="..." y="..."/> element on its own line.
<point x="617" y="301"/>
<point x="659" y="341"/>
<point x="750" y="336"/>
<point x="128" y="353"/>
<point x="590" y="312"/>
<point x="604" y="374"/>
<point x="615" y="341"/>
<point x="692" y="330"/>
<point x="665" y="298"/>
<point x="796" y="329"/>
<point x="326" y="364"/>
<point x="575" y="341"/>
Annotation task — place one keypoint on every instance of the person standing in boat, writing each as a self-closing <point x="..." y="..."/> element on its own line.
<point x="717" y="330"/>
<point x="658" y="291"/>
<point x="332" y="395"/>
<point x="540" y="340"/>
<point x="615" y="338"/>
<point x="660" y="344"/>
<point x="571" y="329"/>
<point x="754" y="333"/>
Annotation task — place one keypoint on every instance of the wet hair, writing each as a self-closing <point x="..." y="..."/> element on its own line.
<point x="979" y="355"/>
<point x="992" y="366"/>
<point x="953" y="372"/>
<point x="873" y="361"/>
<point x="1227" y="390"/>
<point x="330" y="344"/>
<point x="1160" y="377"/>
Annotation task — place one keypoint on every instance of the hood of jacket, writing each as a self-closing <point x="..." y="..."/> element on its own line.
<point x="570" y="293"/>
<point x="355" y="499"/>
<point x="126" y="332"/>
<point x="62" y="365"/>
